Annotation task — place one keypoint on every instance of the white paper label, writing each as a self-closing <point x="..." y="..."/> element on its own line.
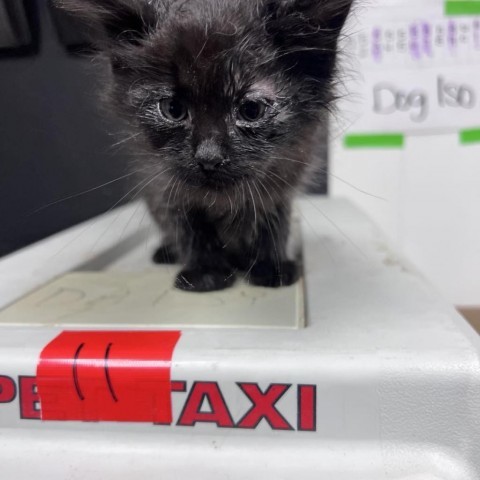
<point x="414" y="70"/>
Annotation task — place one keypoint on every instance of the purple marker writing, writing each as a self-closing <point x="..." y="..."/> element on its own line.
<point x="476" y="34"/>
<point x="452" y="34"/>
<point x="376" y="45"/>
<point x="427" y="39"/>
<point x="414" y="42"/>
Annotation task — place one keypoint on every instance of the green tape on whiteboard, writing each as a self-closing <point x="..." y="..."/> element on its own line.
<point x="380" y="140"/>
<point x="462" y="7"/>
<point x="470" y="136"/>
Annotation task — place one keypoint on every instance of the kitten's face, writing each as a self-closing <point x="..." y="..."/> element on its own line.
<point x="214" y="115"/>
<point x="225" y="92"/>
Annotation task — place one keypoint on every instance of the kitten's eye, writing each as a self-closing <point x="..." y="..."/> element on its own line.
<point x="173" y="109"/>
<point x="252" y="110"/>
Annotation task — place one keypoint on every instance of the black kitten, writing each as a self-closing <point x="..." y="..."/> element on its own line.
<point x="225" y="99"/>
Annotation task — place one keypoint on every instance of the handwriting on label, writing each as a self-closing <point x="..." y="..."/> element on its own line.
<point x="389" y="99"/>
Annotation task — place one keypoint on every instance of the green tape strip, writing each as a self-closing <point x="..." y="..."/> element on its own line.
<point x="470" y="136"/>
<point x="381" y="140"/>
<point x="462" y="7"/>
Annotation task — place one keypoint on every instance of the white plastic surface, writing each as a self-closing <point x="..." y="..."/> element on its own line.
<point x="397" y="371"/>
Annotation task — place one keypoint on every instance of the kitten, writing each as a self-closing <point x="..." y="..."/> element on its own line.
<point x="225" y="99"/>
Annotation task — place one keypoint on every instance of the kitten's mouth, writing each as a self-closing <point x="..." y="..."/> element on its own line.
<point x="216" y="181"/>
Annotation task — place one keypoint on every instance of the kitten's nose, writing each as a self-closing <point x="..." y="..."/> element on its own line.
<point x="209" y="156"/>
<point x="210" y="164"/>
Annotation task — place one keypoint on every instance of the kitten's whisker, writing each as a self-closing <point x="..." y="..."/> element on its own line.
<point x="293" y="51"/>
<point x="253" y="203"/>
<point x="266" y="215"/>
<point x="125" y="140"/>
<point x="329" y="220"/>
<point x="231" y="205"/>
<point x="266" y="190"/>
<point x="186" y="216"/>
<point x="181" y="183"/>
<point x="364" y="192"/>
<point x="90" y="225"/>
<point x="202" y="49"/>
<point x="142" y="186"/>
<point x="75" y="195"/>
<point x="147" y="238"/>
<point x="244" y="202"/>
<point x="213" y="201"/>
<point x="254" y="261"/>
<point x="134" y="213"/>
<point x="322" y="240"/>
<point x="171" y="191"/>
<point x="143" y="218"/>
<point x="334" y="225"/>
<point x="299" y="211"/>
<point x="327" y="172"/>
<point x="283" y="180"/>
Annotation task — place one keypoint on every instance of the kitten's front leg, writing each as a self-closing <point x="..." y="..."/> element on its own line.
<point x="165" y="255"/>
<point x="206" y="267"/>
<point x="272" y="268"/>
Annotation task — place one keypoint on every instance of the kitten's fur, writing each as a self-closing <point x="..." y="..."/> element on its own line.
<point x="219" y="184"/>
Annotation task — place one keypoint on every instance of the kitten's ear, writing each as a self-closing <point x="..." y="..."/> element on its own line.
<point x="113" y="22"/>
<point x="307" y="32"/>
<point x="325" y="14"/>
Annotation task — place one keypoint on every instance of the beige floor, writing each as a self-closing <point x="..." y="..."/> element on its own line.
<point x="473" y="316"/>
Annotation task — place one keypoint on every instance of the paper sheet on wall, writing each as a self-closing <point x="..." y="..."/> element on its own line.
<point x="412" y="68"/>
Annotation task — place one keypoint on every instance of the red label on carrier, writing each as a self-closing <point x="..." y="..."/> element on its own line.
<point x="121" y="376"/>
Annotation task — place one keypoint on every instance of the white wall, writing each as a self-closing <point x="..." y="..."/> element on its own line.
<point x="431" y="206"/>
<point x="430" y="187"/>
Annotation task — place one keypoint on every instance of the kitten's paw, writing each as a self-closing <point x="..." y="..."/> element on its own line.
<point x="165" y="255"/>
<point x="204" y="280"/>
<point x="239" y="261"/>
<point x="267" y="274"/>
